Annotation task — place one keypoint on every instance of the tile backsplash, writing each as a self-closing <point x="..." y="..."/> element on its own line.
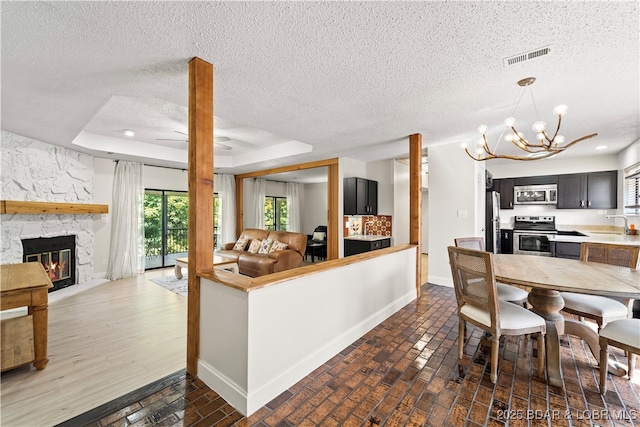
<point x="378" y="225"/>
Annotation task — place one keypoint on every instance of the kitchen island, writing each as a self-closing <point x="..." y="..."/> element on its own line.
<point x="359" y="243"/>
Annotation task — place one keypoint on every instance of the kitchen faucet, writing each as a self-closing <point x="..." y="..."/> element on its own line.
<point x="626" y="222"/>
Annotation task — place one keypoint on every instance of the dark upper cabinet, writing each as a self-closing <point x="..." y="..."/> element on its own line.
<point x="595" y="190"/>
<point x="360" y="196"/>
<point x="505" y="188"/>
<point x="537" y="180"/>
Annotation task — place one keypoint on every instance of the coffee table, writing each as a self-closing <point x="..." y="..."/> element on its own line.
<point x="219" y="263"/>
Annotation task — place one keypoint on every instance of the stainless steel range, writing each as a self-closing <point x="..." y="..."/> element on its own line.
<point x="531" y="234"/>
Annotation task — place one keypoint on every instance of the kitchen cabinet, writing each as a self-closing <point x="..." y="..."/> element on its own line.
<point x="506" y="241"/>
<point x="537" y="180"/>
<point x="504" y="186"/>
<point x="352" y="247"/>
<point x="360" y="196"/>
<point x="569" y="250"/>
<point x="593" y="190"/>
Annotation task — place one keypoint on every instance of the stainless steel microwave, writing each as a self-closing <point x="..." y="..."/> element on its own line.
<point x="535" y="194"/>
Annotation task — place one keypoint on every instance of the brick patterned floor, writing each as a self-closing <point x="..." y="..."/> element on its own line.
<point x="405" y="372"/>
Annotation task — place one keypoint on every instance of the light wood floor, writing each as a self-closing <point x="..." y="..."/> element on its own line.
<point x="103" y="343"/>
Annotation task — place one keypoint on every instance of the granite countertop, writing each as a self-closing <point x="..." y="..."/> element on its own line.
<point x="599" y="237"/>
<point x="369" y="238"/>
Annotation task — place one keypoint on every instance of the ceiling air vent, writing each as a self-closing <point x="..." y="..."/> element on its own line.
<point x="527" y="56"/>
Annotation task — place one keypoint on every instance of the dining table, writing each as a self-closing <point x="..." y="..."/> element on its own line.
<point x="546" y="277"/>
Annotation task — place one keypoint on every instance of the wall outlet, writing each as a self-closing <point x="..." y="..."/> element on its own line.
<point x="462" y="213"/>
<point x="105" y="261"/>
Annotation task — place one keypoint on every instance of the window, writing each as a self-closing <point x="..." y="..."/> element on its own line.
<point x="632" y="190"/>
<point x="166" y="223"/>
<point x="275" y="213"/>
<point x="166" y="226"/>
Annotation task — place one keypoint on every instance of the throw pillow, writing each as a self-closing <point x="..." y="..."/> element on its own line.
<point x="265" y="246"/>
<point x="241" y="244"/>
<point x="278" y="246"/>
<point x="318" y="235"/>
<point x="254" y="246"/>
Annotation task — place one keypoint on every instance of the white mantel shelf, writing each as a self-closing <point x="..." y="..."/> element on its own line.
<point x="34" y="208"/>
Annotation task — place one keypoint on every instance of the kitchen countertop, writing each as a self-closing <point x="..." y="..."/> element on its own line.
<point x="368" y="238"/>
<point x="599" y="237"/>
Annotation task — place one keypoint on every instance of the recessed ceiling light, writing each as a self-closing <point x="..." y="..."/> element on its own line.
<point x="129" y="132"/>
<point x="601" y="147"/>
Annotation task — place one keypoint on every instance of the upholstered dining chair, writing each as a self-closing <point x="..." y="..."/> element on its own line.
<point x="602" y="309"/>
<point x="505" y="292"/>
<point x="476" y="296"/>
<point x="624" y="334"/>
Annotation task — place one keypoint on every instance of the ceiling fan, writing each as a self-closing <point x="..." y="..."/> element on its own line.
<point x="216" y="140"/>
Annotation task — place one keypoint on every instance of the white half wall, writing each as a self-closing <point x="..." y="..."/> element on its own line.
<point x="456" y="205"/>
<point x="256" y="344"/>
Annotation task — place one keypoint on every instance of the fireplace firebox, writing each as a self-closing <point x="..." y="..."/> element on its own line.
<point x="57" y="255"/>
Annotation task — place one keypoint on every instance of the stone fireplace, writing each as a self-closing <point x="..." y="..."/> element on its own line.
<point x="35" y="171"/>
<point x="57" y="255"/>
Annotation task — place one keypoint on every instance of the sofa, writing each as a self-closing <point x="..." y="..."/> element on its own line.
<point x="275" y="259"/>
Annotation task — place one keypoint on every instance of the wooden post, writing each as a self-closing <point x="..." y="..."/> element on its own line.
<point x="415" y="201"/>
<point x="200" y="197"/>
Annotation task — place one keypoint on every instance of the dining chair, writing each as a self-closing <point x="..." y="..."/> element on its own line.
<point x="505" y="292"/>
<point x="476" y="296"/>
<point x="598" y="308"/>
<point x="624" y="334"/>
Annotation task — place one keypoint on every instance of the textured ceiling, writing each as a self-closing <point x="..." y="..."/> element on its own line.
<point x="349" y="79"/>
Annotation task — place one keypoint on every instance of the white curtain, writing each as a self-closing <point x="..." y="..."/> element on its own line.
<point x="293" y="206"/>
<point x="225" y="186"/>
<point x="126" y="253"/>
<point x="257" y="202"/>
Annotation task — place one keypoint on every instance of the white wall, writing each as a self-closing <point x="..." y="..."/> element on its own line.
<point x="383" y="173"/>
<point x="456" y="205"/>
<point x="553" y="166"/>
<point x="400" y="203"/>
<point x="313" y="209"/>
<point x="104" y="170"/>
<point x="425" y="221"/>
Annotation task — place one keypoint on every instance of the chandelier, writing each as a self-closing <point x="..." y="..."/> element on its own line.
<point x="544" y="147"/>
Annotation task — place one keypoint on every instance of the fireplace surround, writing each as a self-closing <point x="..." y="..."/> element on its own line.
<point x="57" y="255"/>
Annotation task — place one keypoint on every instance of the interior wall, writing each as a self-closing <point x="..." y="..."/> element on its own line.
<point x="456" y="198"/>
<point x="400" y="203"/>
<point x="104" y="170"/>
<point x="382" y="172"/>
<point x="425" y="221"/>
<point x="313" y="207"/>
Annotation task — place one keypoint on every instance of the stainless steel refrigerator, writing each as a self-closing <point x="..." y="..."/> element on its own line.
<point x="492" y="222"/>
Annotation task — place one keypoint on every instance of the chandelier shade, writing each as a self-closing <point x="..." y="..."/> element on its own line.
<point x="546" y="144"/>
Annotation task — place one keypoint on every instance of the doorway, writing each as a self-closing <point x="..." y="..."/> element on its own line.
<point x="166" y="225"/>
